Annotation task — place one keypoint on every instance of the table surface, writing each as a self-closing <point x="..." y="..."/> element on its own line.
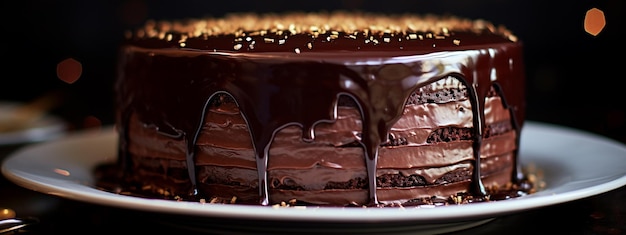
<point x="600" y="214"/>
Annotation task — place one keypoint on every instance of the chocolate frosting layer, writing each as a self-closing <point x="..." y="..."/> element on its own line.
<point x="282" y="75"/>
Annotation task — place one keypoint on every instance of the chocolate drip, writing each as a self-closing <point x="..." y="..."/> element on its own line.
<point x="517" y="175"/>
<point x="478" y="102"/>
<point x="275" y="90"/>
<point x="298" y="93"/>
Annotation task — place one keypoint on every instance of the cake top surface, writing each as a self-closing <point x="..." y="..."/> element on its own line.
<point x="310" y="31"/>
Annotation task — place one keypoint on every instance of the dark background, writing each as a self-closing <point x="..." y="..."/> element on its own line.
<point x="574" y="78"/>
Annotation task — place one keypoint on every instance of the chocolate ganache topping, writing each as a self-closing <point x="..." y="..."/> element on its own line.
<point x="292" y="69"/>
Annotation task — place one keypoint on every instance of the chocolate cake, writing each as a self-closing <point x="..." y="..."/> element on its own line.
<point x="327" y="108"/>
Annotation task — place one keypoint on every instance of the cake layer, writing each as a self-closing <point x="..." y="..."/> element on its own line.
<point x="225" y="132"/>
<point x="243" y="185"/>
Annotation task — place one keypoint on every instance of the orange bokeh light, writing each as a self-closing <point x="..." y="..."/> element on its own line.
<point x="594" y="21"/>
<point x="69" y="70"/>
<point x="92" y="122"/>
<point x="7" y="214"/>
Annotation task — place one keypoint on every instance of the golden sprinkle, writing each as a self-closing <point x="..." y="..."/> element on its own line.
<point x="293" y="201"/>
<point x="183" y="39"/>
<point x="456" y="42"/>
<point x="237" y="47"/>
<point x="532" y="178"/>
<point x="317" y="23"/>
<point x="309" y="45"/>
<point x="213" y="200"/>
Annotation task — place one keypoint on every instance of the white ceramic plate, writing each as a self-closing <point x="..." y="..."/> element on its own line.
<point x="44" y="128"/>
<point x="576" y="165"/>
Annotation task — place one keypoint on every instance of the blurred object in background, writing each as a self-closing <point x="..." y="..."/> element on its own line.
<point x="23" y="123"/>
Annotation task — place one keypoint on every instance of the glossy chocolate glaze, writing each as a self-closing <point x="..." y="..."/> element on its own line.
<point x="285" y="78"/>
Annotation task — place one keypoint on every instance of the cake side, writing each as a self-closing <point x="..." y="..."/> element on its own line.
<point x="340" y="124"/>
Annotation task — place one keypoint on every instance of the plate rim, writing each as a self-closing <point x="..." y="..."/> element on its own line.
<point x="87" y="193"/>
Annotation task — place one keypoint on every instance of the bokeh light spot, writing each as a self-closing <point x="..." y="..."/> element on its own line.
<point x="594" y="21"/>
<point x="92" y="122"/>
<point x="69" y="70"/>
<point x="62" y="172"/>
<point x="7" y="214"/>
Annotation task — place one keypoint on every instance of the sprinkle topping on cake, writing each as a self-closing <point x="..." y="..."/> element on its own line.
<point x="248" y="30"/>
